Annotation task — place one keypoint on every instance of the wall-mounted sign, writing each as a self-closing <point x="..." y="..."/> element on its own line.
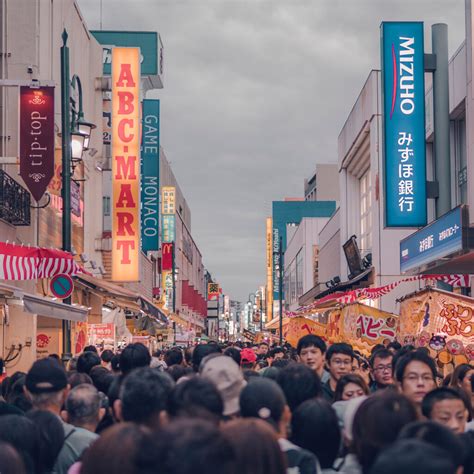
<point x="168" y="200"/>
<point x="167" y="257"/>
<point x="403" y="87"/>
<point x="125" y="164"/>
<point x="276" y="262"/>
<point x="168" y="224"/>
<point x="269" y="270"/>
<point x="442" y="238"/>
<point x="213" y="290"/>
<point x="37" y="138"/>
<point x="61" y="286"/>
<point x="150" y="161"/>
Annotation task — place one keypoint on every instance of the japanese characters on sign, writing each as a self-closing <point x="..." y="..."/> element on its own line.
<point x="269" y="269"/>
<point x="168" y="223"/>
<point x="167" y="257"/>
<point x="125" y="164"/>
<point x="276" y="262"/>
<point x="404" y="124"/>
<point x="168" y="199"/>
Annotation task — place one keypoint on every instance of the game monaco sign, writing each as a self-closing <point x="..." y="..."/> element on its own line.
<point x="125" y="164"/>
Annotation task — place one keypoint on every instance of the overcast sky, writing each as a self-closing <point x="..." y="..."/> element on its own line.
<point x="256" y="93"/>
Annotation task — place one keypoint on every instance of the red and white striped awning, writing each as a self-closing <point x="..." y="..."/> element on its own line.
<point x="29" y="263"/>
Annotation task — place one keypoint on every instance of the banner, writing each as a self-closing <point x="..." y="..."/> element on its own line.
<point x="102" y="335"/>
<point x="269" y="289"/>
<point x="299" y="327"/>
<point x="37" y="138"/>
<point x="403" y="92"/>
<point x="167" y="257"/>
<point x="125" y="166"/>
<point x="150" y="179"/>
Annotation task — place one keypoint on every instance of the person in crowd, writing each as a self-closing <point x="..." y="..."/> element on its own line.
<point x="86" y="361"/>
<point x="314" y="427"/>
<point x="361" y="366"/>
<point x="381" y="366"/>
<point x="311" y="350"/>
<point x="256" y="447"/>
<point x="264" y="399"/>
<point x="134" y="356"/>
<point x="177" y="372"/>
<point x="91" y="348"/>
<point x="106" y="358"/>
<point x="248" y="359"/>
<point x="196" y="398"/>
<point x="394" y="346"/>
<point x="101" y="378"/>
<point x="10" y="461"/>
<point x="144" y="397"/>
<point x="75" y="378"/>
<point x="412" y="456"/>
<point x="339" y="359"/>
<point x="83" y="408"/>
<point x="2" y="370"/>
<point x="262" y="349"/>
<point x="188" y="356"/>
<point x="448" y="407"/>
<point x="234" y="354"/>
<point x="115" y="364"/>
<point x="377" y="423"/>
<point x="200" y="352"/>
<point x="249" y="373"/>
<point x="274" y="354"/>
<point x="350" y="386"/>
<point x="174" y="357"/>
<point x="299" y="383"/>
<point x="416" y="374"/>
<point x="17" y="396"/>
<point x="226" y="375"/>
<point x="71" y="365"/>
<point x="50" y="438"/>
<point x="461" y="378"/>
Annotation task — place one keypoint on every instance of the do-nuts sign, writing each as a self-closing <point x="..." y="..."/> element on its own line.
<point x="125" y="164"/>
<point x="37" y="138"/>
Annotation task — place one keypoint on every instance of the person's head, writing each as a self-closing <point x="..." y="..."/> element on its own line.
<point x="174" y="357"/>
<point x="233" y="353"/>
<point x="134" y="356"/>
<point x="382" y="368"/>
<point x="314" y="427"/>
<point x="412" y="456"/>
<point x="339" y="358"/>
<point x="75" y="378"/>
<point x="277" y="353"/>
<point x="196" y="398"/>
<point x="311" y="350"/>
<point x="50" y="437"/>
<point x="83" y="407"/>
<point x="115" y="364"/>
<point x="178" y="371"/>
<point x="106" y="357"/>
<point x="117" y="451"/>
<point x="446" y="406"/>
<point x="10" y="461"/>
<point x="86" y="361"/>
<point x="299" y="383"/>
<point x="377" y="424"/>
<point x="22" y="434"/>
<point x="101" y="378"/>
<point x="46" y="385"/>
<point x="17" y="396"/>
<point x="226" y="375"/>
<point x="262" y="348"/>
<point x="144" y="396"/>
<point x="255" y="445"/>
<point x="200" y="352"/>
<point x="350" y="386"/>
<point x="264" y="399"/>
<point x="2" y="366"/>
<point x="416" y="374"/>
<point x="90" y="348"/>
<point x="188" y="356"/>
<point x="461" y="377"/>
<point x="184" y="446"/>
<point x="248" y="359"/>
<point x="394" y="346"/>
<point x="438" y="436"/>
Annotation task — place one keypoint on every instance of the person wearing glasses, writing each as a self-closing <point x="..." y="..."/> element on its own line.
<point x="416" y="376"/>
<point x="381" y="365"/>
<point x="339" y="359"/>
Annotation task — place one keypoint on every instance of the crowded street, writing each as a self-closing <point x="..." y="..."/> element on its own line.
<point x="236" y="236"/>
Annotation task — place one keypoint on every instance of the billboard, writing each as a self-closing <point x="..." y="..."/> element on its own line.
<point x="125" y="165"/>
<point x="37" y="138"/>
<point x="150" y="175"/>
<point x="403" y="91"/>
<point x="269" y="296"/>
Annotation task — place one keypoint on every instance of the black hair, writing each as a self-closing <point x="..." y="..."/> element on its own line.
<point x="90" y="348"/>
<point x="196" y="398"/>
<point x="174" y="357"/>
<point x="314" y="427"/>
<point x="17" y="396"/>
<point x="467" y="440"/>
<point x="311" y="340"/>
<point x="86" y="361"/>
<point x="2" y="366"/>
<point x="380" y="354"/>
<point x="101" y="378"/>
<point x="276" y="350"/>
<point x="10" y="460"/>
<point x="444" y="393"/>
<point x="76" y="378"/>
<point x="376" y="348"/>
<point x="250" y="374"/>
<point x="178" y="371"/>
<point x="115" y="363"/>
<point x="394" y="345"/>
<point x="107" y="356"/>
<point x="281" y="363"/>
<point x="412" y="456"/>
<point x="201" y="351"/>
<point x="233" y="353"/>
<point x="340" y="348"/>
<point x="134" y="356"/>
<point x="346" y="380"/>
<point x="145" y="394"/>
<point x="299" y="383"/>
<point x="418" y="356"/>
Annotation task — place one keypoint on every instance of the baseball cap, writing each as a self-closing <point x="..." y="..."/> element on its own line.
<point x="247" y="356"/>
<point x="226" y="375"/>
<point x="46" y="375"/>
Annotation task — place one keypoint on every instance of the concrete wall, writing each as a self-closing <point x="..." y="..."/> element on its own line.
<point x="330" y="249"/>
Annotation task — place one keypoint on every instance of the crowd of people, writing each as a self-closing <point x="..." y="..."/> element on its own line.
<point x="239" y="408"/>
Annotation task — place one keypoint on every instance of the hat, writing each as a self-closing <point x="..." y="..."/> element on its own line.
<point x="225" y="374"/>
<point x="46" y="375"/>
<point x="247" y="356"/>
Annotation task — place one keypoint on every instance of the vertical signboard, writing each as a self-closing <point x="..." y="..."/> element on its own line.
<point x="168" y="209"/>
<point x="403" y="88"/>
<point x="150" y="182"/>
<point x="167" y="257"/>
<point x="269" y="298"/>
<point x="276" y="262"/>
<point x="125" y="164"/>
<point x="37" y="138"/>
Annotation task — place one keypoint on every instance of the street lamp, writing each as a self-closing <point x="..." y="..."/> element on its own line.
<point x="73" y="142"/>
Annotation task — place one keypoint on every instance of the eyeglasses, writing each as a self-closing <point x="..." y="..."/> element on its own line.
<point x="425" y="378"/>
<point x="341" y="362"/>
<point x="383" y="368"/>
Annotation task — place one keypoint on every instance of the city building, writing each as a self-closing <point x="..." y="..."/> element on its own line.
<point x="323" y="185"/>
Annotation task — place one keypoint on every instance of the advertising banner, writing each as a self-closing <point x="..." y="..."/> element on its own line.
<point x="125" y="165"/>
<point x="150" y="188"/>
<point x="167" y="284"/>
<point x="299" y="327"/>
<point x="168" y="199"/>
<point x="269" y="269"/>
<point x="168" y="227"/>
<point x="102" y="335"/>
<point x="276" y="262"/>
<point x="167" y="257"/>
<point x="403" y="88"/>
<point x="37" y="138"/>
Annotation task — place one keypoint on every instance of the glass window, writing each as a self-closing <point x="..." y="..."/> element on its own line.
<point x="299" y="274"/>
<point x="365" y="199"/>
<point x="106" y="205"/>
<point x="461" y="160"/>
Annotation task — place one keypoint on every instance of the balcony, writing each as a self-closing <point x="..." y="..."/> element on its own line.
<point x="14" y="201"/>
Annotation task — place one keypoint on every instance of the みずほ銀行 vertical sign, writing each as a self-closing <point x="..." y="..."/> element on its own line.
<point x="125" y="164"/>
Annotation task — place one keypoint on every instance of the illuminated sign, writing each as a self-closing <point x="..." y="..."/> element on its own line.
<point x="276" y="262"/>
<point x="168" y="200"/>
<point x="167" y="283"/>
<point x="269" y="269"/>
<point x="167" y="257"/>
<point x="125" y="164"/>
<point x="213" y="290"/>
<point x="168" y="224"/>
<point x="403" y="87"/>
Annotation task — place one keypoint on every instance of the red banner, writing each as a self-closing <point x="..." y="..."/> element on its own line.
<point x="37" y="138"/>
<point x="167" y="257"/>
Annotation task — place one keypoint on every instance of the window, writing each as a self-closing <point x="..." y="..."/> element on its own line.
<point x="106" y="205"/>
<point x="365" y="198"/>
<point x="299" y="274"/>
<point x="461" y="160"/>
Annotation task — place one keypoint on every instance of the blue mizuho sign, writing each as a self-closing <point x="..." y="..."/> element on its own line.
<point x="150" y="175"/>
<point x="403" y="92"/>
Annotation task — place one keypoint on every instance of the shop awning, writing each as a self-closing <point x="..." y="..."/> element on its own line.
<point x="153" y="310"/>
<point x="53" y="309"/>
